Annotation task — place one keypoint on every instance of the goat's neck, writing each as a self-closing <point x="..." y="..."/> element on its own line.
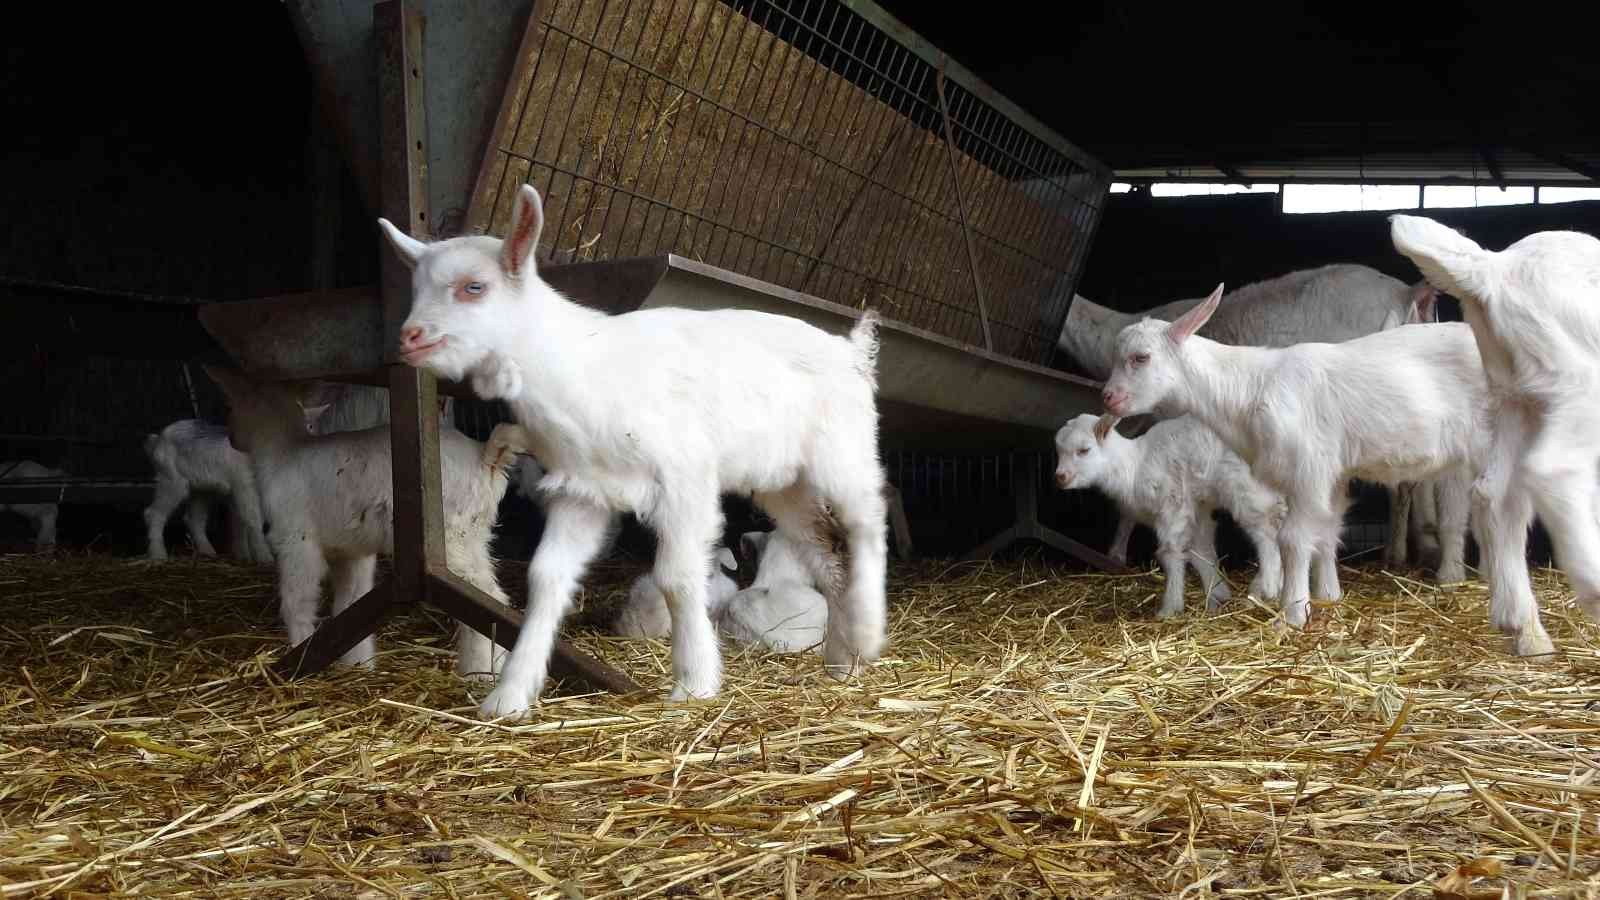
<point x="1119" y="474"/>
<point x="1220" y="385"/>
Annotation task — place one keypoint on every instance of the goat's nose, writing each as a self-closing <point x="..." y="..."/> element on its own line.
<point x="1063" y="479"/>
<point x="1107" y="396"/>
<point x="410" y="336"/>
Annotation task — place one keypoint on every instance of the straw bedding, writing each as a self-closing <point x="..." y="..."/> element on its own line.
<point x="1031" y="733"/>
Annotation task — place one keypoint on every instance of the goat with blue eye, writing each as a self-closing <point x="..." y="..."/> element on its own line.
<point x="1174" y="478"/>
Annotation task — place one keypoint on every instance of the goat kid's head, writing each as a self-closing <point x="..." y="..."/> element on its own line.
<point x="1147" y="374"/>
<point x="262" y="412"/>
<point x="1080" y="450"/>
<point x="465" y="290"/>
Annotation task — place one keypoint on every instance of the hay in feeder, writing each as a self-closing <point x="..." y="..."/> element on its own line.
<point x="1029" y="733"/>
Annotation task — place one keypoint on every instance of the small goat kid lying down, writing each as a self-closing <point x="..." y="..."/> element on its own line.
<point x="1173" y="478"/>
<point x="329" y="505"/>
<point x="41" y="515"/>
<point x="660" y="412"/>
<point x="782" y="610"/>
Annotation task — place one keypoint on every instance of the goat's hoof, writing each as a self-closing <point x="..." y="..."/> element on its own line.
<point x="1532" y="642"/>
<point x="1168" y="612"/>
<point x="504" y="704"/>
<point x="682" y="693"/>
<point x="1453" y="575"/>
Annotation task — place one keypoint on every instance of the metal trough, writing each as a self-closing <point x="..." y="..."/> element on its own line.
<point x="933" y="391"/>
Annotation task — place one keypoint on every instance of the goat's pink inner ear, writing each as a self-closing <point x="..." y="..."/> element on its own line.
<point x="518" y="248"/>
<point x="1191" y="321"/>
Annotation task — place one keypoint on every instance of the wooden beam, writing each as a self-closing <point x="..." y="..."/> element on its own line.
<point x="1571" y="164"/>
<point x="413" y="395"/>
<point x="1492" y="163"/>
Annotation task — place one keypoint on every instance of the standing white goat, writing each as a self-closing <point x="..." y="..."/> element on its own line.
<point x="1534" y="309"/>
<point x="1401" y="405"/>
<point x="194" y="461"/>
<point x="1173" y="478"/>
<point x="329" y="502"/>
<point x="41" y="515"/>
<point x="1327" y="304"/>
<point x="660" y="412"/>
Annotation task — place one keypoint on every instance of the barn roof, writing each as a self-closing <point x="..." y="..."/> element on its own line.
<point x="1294" y="90"/>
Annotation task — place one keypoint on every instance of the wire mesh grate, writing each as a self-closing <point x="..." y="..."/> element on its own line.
<point x="802" y="142"/>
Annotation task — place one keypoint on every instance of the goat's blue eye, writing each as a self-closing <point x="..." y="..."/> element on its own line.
<point x="475" y="287"/>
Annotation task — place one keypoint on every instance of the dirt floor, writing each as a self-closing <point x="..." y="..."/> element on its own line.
<point x="1029" y="733"/>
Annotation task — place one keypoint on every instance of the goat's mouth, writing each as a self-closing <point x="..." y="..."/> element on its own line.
<point x="414" y="355"/>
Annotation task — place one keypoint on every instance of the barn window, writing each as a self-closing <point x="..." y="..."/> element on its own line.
<point x="1322" y="198"/>
<point x="1445" y="196"/>
<point x="1567" y="194"/>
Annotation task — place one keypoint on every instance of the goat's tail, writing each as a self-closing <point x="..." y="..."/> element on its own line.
<point x="864" y="338"/>
<point x="1449" y="260"/>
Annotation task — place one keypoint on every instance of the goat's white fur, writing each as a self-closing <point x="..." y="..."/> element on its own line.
<point x="660" y="412"/>
<point x="194" y="462"/>
<point x="1402" y="405"/>
<point x="1326" y="304"/>
<point x="1173" y="478"/>
<point x="329" y="503"/>
<point x="781" y="609"/>
<point x="645" y="614"/>
<point x="1534" y="310"/>
<point x="41" y="515"/>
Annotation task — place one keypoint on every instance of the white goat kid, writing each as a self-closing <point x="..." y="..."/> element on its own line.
<point x="645" y="614"/>
<point x="782" y="609"/>
<point x="329" y="502"/>
<point x="41" y="515"/>
<point x="194" y="461"/>
<point x="659" y="412"/>
<point x="1327" y="304"/>
<point x="1173" y="478"/>
<point x="1402" y="405"/>
<point x="1534" y="309"/>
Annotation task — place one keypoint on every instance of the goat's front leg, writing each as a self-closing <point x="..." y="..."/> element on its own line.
<point x="573" y="532"/>
<point x="1172" y="544"/>
<point x="1118" y="551"/>
<point x="687" y="524"/>
<point x="1203" y="559"/>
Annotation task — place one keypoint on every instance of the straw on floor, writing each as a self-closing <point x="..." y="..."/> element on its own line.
<point x="1028" y="734"/>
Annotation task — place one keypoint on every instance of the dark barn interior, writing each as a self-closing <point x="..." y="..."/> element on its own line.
<point x="159" y="173"/>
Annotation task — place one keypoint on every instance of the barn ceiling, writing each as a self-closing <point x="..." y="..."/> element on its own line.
<point x="1470" y="90"/>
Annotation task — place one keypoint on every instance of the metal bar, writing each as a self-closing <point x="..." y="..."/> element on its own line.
<point x="486" y="186"/>
<point x="502" y="624"/>
<point x="1276" y="176"/>
<point x="336" y="636"/>
<point x="638" y="116"/>
<point x="560" y="223"/>
<point x="969" y="82"/>
<point x="966" y="232"/>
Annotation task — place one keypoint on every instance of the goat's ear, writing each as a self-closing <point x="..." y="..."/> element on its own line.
<point x="1103" y="426"/>
<point x="408" y="248"/>
<point x="527" y="221"/>
<point x="1190" y="322"/>
<point x="314" y="412"/>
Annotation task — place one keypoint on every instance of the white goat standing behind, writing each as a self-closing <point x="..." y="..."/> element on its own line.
<point x="194" y="462"/>
<point x="1326" y="304"/>
<point x="1173" y="478"/>
<point x="1401" y="405"/>
<point x="1534" y="309"/>
<point x="41" y="515"/>
<point x="660" y="412"/>
<point x="329" y="502"/>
